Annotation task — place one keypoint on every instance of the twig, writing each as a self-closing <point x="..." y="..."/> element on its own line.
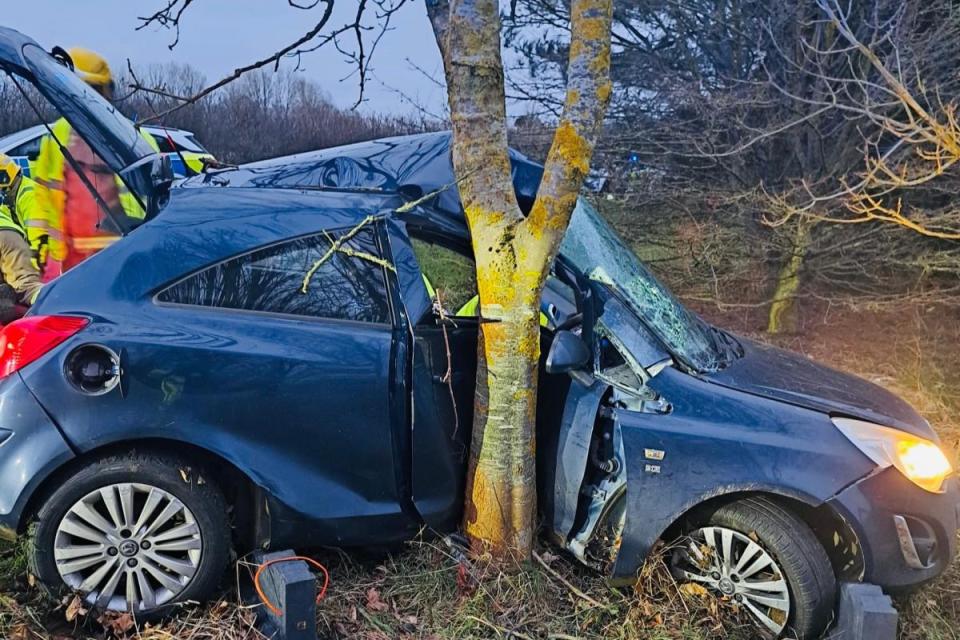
<point x="448" y="375"/>
<point x="568" y="584"/>
<point x="499" y="629"/>
<point x="407" y="207"/>
<point x="335" y="245"/>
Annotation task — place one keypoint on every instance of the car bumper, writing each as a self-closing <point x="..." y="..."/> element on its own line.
<point x="907" y="536"/>
<point x="31" y="447"/>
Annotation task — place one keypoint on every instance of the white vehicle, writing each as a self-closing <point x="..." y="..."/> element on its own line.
<point x="181" y="146"/>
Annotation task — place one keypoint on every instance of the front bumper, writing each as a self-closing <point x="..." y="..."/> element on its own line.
<point x="31" y="448"/>
<point x="908" y="536"/>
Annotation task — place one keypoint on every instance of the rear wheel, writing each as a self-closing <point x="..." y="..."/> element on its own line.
<point x="134" y="533"/>
<point x="766" y="559"/>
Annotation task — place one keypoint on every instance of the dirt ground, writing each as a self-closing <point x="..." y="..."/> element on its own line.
<point x="426" y="593"/>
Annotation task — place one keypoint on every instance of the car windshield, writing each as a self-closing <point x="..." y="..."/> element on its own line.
<point x="595" y="249"/>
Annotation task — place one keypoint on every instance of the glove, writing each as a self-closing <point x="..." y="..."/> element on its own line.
<point x="8" y="304"/>
<point x="41" y="254"/>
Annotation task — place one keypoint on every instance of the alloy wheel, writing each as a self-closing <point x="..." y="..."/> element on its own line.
<point x="737" y="567"/>
<point x="128" y="547"/>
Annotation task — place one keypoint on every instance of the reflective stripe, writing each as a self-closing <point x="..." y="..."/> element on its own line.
<point x="40" y="225"/>
<point x="92" y="243"/>
<point x="49" y="183"/>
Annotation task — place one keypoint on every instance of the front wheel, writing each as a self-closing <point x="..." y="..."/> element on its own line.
<point x="767" y="560"/>
<point x="134" y="533"/>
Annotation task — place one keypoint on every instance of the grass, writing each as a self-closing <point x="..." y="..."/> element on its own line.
<point x="425" y="593"/>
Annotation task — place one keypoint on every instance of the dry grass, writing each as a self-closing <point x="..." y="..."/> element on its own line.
<point x="426" y="593"/>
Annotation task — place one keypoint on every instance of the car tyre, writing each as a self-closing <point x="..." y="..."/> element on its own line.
<point x="797" y="558"/>
<point x="109" y="512"/>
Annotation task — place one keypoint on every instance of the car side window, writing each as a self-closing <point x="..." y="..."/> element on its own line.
<point x="28" y="149"/>
<point x="450" y="274"/>
<point x="307" y="276"/>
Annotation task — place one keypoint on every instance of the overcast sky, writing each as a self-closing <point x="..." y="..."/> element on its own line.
<point x="219" y="35"/>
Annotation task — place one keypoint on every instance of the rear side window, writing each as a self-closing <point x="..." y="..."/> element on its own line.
<point x="316" y="276"/>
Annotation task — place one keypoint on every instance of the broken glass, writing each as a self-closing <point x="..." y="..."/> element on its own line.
<point x="596" y="250"/>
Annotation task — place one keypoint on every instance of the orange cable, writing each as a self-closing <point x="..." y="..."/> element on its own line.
<point x="266" y="601"/>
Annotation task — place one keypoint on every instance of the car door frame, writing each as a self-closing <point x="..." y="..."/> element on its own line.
<point x="436" y="452"/>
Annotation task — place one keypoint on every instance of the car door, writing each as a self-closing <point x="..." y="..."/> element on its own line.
<point x="281" y="360"/>
<point x="443" y="364"/>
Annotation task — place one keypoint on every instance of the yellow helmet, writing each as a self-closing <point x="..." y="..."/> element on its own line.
<point x="9" y="170"/>
<point x="91" y="67"/>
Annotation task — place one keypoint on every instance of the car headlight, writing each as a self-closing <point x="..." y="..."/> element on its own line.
<point x="919" y="459"/>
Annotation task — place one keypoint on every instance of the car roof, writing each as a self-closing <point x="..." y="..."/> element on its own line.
<point x="19" y="137"/>
<point x="414" y="164"/>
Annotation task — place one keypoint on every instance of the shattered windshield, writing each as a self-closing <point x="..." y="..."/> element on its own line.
<point x="596" y="250"/>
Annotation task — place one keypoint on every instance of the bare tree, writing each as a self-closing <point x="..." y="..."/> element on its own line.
<point x="752" y="121"/>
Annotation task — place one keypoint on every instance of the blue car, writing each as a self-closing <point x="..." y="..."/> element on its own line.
<point x="263" y="364"/>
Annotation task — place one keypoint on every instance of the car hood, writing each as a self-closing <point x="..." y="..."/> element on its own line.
<point x="789" y="377"/>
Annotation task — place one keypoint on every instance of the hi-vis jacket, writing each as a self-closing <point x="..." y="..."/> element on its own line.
<point x="48" y="171"/>
<point x="16" y="258"/>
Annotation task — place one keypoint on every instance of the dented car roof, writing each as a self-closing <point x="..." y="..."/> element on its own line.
<point x="388" y="165"/>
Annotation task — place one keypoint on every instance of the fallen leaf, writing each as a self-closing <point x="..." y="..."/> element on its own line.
<point x="117" y="623"/>
<point x="374" y="603"/>
<point x="694" y="589"/>
<point x="75" y="609"/>
<point x="19" y="632"/>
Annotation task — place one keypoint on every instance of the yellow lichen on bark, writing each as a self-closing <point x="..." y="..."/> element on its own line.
<point x="571" y="148"/>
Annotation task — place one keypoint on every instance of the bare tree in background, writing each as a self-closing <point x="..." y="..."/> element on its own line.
<point x="356" y="40"/>
<point x="730" y="116"/>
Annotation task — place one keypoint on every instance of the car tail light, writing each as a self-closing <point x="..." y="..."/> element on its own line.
<point x="27" y="339"/>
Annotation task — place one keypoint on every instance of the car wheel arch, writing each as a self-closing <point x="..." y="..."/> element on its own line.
<point x="838" y="538"/>
<point x="241" y="491"/>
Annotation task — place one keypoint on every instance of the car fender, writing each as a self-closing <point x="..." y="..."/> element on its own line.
<point x="716" y="442"/>
<point x="31" y="450"/>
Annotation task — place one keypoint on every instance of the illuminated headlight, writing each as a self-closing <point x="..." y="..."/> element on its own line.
<point x="920" y="460"/>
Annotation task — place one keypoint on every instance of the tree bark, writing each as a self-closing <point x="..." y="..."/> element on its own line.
<point x="513" y="253"/>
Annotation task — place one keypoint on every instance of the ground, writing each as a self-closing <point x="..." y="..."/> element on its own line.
<point x="424" y="592"/>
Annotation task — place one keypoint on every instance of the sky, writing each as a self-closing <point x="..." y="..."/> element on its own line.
<point x="216" y="36"/>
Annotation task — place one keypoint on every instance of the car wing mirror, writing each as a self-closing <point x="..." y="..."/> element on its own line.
<point x="568" y="352"/>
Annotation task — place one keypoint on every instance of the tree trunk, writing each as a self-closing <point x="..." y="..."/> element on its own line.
<point x="513" y="253"/>
<point x="783" y="313"/>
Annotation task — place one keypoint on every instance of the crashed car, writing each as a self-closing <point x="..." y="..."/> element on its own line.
<point x="263" y="363"/>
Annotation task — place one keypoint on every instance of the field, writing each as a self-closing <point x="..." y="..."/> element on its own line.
<point x="424" y="592"/>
